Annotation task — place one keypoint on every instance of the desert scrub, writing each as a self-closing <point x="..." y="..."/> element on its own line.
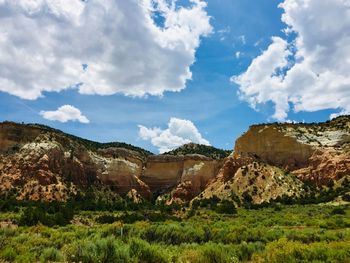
<point x="99" y="250"/>
<point x="308" y="232"/>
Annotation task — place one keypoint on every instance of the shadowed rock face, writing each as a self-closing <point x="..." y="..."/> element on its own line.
<point x="166" y="172"/>
<point x="162" y="172"/>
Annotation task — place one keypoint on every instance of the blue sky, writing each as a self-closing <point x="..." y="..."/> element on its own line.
<point x="241" y="31"/>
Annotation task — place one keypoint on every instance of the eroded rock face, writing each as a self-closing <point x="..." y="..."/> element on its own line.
<point x="197" y="172"/>
<point x="324" y="167"/>
<point x="317" y="153"/>
<point x="274" y="146"/>
<point x="44" y="165"/>
<point x="47" y="165"/>
<point x="40" y="163"/>
<point x="162" y="172"/>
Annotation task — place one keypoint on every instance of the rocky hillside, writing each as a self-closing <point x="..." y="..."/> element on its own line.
<point x="269" y="161"/>
<point x="318" y="153"/>
<point x="41" y="163"/>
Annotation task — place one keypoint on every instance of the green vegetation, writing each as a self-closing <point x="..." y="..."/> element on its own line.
<point x="283" y="233"/>
<point x="208" y="151"/>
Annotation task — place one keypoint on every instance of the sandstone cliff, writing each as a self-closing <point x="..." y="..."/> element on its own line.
<point x="269" y="161"/>
<point x="318" y="153"/>
<point x="40" y="163"/>
<point x="275" y="160"/>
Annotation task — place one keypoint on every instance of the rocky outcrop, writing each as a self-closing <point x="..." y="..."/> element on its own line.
<point x="162" y="172"/>
<point x="42" y="163"/>
<point x="197" y="172"/>
<point x="188" y="174"/>
<point x="274" y="146"/>
<point x="318" y="153"/>
<point x="245" y="179"/>
<point x="325" y="167"/>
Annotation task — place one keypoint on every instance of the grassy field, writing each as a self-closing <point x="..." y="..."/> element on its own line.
<point x="296" y="233"/>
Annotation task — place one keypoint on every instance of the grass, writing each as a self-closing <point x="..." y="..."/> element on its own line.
<point x="297" y="233"/>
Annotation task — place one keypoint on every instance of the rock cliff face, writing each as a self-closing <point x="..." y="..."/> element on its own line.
<point x="318" y="153"/>
<point x="40" y="163"/>
<point x="275" y="160"/>
<point x="274" y="146"/>
<point x="269" y="161"/>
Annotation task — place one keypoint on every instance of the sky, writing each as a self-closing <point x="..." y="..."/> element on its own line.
<point x="161" y="73"/>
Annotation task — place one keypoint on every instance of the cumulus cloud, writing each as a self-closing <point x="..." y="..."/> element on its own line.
<point x="179" y="132"/>
<point x="309" y="73"/>
<point x="65" y="113"/>
<point x="98" y="47"/>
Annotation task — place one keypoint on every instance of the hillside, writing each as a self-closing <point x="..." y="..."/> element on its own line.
<point x="269" y="162"/>
<point x="205" y="150"/>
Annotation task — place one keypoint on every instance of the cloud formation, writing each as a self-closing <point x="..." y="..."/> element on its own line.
<point x="65" y="113"/>
<point x="98" y="47"/>
<point x="310" y="73"/>
<point x="179" y="132"/>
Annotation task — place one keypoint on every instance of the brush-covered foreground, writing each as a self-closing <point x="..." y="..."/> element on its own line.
<point x="295" y="233"/>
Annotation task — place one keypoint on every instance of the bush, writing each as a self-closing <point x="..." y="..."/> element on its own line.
<point x="175" y="234"/>
<point x="102" y="250"/>
<point x="51" y="255"/>
<point x="106" y="219"/>
<point x="338" y="211"/>
<point x="8" y="254"/>
<point x="144" y="252"/>
<point x="214" y="253"/>
<point x="46" y="215"/>
<point x="226" y="207"/>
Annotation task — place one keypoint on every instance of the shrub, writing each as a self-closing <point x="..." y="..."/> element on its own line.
<point x="8" y="254"/>
<point x="214" y="253"/>
<point x="51" y="255"/>
<point x="144" y="252"/>
<point x="47" y="215"/>
<point x="103" y="250"/>
<point x="226" y="207"/>
<point x="106" y="219"/>
<point x="338" y="211"/>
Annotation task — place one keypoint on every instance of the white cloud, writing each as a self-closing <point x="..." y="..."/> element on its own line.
<point x="179" y="132"/>
<point x="319" y="78"/>
<point x="65" y="113"/>
<point x="43" y="44"/>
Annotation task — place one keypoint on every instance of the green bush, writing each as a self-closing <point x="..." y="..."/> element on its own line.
<point x="215" y="253"/>
<point x="106" y="219"/>
<point x="8" y="254"/>
<point x="175" y="234"/>
<point x="51" y="255"/>
<point x="226" y="207"/>
<point x="103" y="250"/>
<point x="144" y="252"/>
<point x="338" y="211"/>
<point x="46" y="215"/>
